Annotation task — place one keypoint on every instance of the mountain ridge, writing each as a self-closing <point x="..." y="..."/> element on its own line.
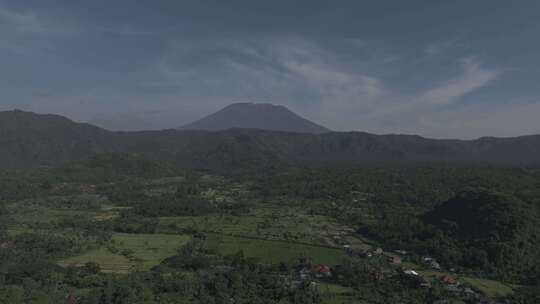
<point x="30" y="140"/>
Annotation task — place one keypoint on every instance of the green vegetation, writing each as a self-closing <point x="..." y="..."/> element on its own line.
<point x="492" y="231"/>
<point x="268" y="221"/>
<point x="274" y="251"/>
<point x="123" y="229"/>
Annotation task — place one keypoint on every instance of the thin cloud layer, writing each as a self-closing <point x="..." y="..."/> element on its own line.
<point x="474" y="77"/>
<point x="423" y="68"/>
<point x="21" y="22"/>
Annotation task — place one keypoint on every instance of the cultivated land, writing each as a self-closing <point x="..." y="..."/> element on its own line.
<point x="269" y="233"/>
<point x="270" y="222"/>
<point x="273" y="251"/>
<point x="143" y="251"/>
<point x="106" y="226"/>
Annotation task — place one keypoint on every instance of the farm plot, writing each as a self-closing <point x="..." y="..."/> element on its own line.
<point x="336" y="294"/>
<point x="131" y="251"/>
<point x="108" y="261"/>
<point x="271" y="251"/>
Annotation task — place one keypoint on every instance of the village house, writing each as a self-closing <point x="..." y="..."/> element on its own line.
<point x="448" y="280"/>
<point x="410" y="272"/>
<point x="452" y="285"/>
<point x="435" y="265"/>
<point x="321" y="271"/>
<point x="7" y="244"/>
<point x="402" y="252"/>
<point x="71" y="299"/>
<point x="365" y="254"/>
<point x="471" y="294"/>
<point x="88" y="188"/>
<point x="431" y="262"/>
<point x="396" y="260"/>
<point x="304" y="273"/>
<point x="348" y="250"/>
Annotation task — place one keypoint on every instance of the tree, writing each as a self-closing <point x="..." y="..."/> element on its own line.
<point x="3" y="221"/>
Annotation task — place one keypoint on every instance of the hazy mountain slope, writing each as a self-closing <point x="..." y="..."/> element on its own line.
<point x="28" y="139"/>
<point x="256" y="116"/>
<point x="124" y="122"/>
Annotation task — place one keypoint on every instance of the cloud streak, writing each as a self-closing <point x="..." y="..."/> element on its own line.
<point x="312" y="80"/>
<point x="288" y="71"/>
<point x="474" y="77"/>
<point x="126" y="31"/>
<point x="21" y="22"/>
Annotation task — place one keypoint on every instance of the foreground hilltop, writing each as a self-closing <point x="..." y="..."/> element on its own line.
<point x="29" y="139"/>
<point x="256" y="116"/>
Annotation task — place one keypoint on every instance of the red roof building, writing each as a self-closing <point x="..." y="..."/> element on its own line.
<point x="321" y="271"/>
<point x="448" y="280"/>
<point x="71" y="299"/>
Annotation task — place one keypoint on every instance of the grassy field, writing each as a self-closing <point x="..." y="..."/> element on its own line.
<point x="148" y="250"/>
<point x="268" y="251"/>
<point x="334" y="289"/>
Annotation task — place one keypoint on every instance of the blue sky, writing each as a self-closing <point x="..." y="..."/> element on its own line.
<point x="445" y="69"/>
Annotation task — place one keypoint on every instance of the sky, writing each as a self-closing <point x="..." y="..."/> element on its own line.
<point x="441" y="69"/>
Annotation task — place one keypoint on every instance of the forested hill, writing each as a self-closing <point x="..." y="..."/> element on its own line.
<point x="28" y="139"/>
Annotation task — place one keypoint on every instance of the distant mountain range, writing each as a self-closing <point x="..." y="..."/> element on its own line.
<point x="29" y="140"/>
<point x="256" y="116"/>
